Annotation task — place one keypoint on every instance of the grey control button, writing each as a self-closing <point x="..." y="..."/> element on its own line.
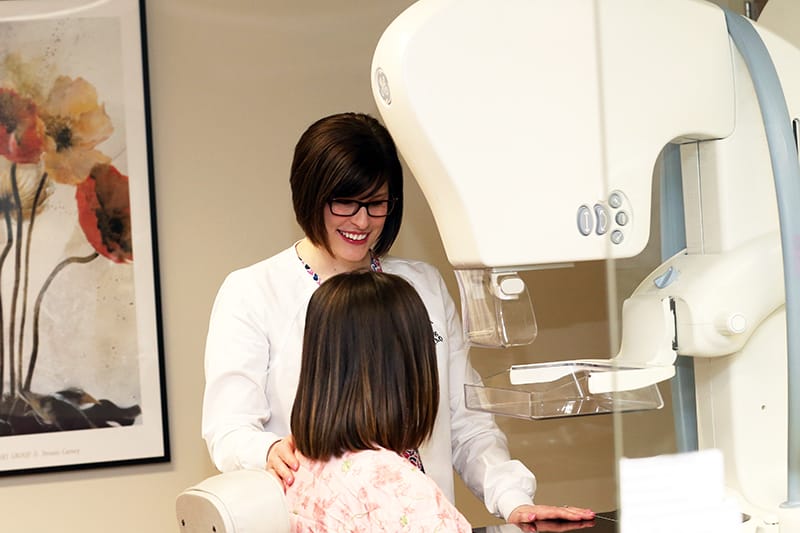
<point x="615" y="200"/>
<point x="602" y="219"/>
<point x="584" y="220"/>
<point x="621" y="218"/>
<point x="617" y="236"/>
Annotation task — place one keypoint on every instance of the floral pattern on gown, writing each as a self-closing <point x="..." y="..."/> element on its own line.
<point x="371" y="490"/>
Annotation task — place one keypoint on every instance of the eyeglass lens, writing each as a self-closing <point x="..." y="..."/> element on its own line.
<point x="347" y="208"/>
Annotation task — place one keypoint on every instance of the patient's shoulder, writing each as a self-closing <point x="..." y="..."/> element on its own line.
<point x="372" y="489"/>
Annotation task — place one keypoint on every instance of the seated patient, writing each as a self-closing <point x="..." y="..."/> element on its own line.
<point x="368" y="391"/>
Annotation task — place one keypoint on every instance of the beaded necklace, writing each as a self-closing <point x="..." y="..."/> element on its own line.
<point x="374" y="265"/>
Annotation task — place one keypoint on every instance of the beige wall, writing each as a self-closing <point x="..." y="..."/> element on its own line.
<point x="232" y="84"/>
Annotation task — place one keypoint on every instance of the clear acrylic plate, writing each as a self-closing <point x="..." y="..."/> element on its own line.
<point x="567" y="394"/>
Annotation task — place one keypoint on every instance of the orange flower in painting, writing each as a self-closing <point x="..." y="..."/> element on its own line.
<point x="21" y="129"/>
<point x="104" y="213"/>
<point x="75" y="124"/>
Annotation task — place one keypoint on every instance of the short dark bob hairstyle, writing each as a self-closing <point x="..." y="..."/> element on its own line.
<point x="347" y="155"/>
<point x="368" y="376"/>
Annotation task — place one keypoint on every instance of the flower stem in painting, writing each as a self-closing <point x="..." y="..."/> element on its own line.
<point x="17" y="265"/>
<point x="37" y="307"/>
<point x="3" y="256"/>
<point x="26" y="270"/>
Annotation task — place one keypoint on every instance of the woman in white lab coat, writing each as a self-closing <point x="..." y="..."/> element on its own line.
<point x="347" y="191"/>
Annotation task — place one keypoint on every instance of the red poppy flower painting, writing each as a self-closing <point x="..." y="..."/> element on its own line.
<point x="78" y="317"/>
<point x="21" y="128"/>
<point x="57" y="136"/>
<point x="104" y="212"/>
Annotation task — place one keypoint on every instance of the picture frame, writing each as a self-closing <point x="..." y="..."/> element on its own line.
<point x="82" y="379"/>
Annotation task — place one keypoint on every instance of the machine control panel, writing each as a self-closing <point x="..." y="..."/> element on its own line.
<point x="611" y="217"/>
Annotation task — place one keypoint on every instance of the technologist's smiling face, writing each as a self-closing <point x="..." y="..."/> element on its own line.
<point x="351" y="237"/>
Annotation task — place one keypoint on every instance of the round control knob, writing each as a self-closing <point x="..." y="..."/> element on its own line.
<point x="731" y="324"/>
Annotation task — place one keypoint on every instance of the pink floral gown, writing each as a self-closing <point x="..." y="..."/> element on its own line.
<point x="372" y="490"/>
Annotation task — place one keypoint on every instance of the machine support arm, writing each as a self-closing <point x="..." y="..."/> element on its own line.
<point x="784" y="159"/>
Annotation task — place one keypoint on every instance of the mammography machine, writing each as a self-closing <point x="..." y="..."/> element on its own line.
<point x="533" y="129"/>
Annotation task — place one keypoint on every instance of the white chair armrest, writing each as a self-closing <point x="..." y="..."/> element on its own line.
<point x="242" y="501"/>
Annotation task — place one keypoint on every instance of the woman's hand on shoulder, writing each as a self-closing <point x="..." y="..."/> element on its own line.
<point x="525" y="514"/>
<point x="282" y="461"/>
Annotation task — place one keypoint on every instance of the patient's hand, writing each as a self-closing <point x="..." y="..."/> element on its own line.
<point x="529" y="513"/>
<point x="555" y="526"/>
<point x="281" y="460"/>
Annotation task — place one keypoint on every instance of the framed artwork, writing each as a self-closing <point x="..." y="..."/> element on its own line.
<point x="81" y="361"/>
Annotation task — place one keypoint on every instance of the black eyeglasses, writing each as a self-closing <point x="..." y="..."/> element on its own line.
<point x="345" y="207"/>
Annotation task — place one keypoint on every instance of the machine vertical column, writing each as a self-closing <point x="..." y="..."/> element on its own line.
<point x="786" y="170"/>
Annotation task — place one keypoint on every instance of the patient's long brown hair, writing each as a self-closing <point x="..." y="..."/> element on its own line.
<point x="368" y="375"/>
